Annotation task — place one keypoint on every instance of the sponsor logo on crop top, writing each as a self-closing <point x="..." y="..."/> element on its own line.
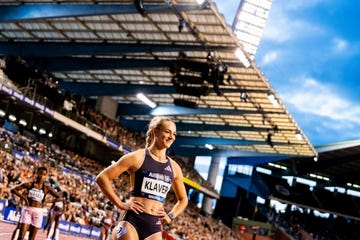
<point x="155" y="185"/>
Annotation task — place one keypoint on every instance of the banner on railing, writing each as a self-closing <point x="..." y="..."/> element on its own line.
<point x="25" y="99"/>
<point x="69" y="122"/>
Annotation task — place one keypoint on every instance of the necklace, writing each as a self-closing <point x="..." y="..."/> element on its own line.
<point x="162" y="159"/>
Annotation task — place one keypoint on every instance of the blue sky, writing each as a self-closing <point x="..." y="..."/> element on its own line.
<point x="309" y="51"/>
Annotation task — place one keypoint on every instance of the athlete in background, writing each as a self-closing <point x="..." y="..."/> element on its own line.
<point x="33" y="193"/>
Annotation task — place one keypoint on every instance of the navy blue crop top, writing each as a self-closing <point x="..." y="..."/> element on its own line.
<point x="36" y="194"/>
<point x="153" y="179"/>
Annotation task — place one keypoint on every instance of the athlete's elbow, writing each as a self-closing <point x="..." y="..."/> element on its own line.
<point x="99" y="179"/>
<point x="184" y="202"/>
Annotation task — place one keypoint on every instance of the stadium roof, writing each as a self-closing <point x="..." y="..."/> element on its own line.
<point x="167" y="50"/>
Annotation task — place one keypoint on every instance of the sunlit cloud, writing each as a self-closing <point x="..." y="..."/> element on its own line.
<point x="273" y="32"/>
<point x="284" y="26"/>
<point x="339" y="45"/>
<point x="305" y="48"/>
<point x="326" y="115"/>
<point x="310" y="96"/>
<point x="269" y="58"/>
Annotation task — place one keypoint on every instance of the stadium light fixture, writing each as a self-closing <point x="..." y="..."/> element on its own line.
<point x="242" y="57"/>
<point x="209" y="146"/>
<point x="260" y="200"/>
<point x="244" y="96"/>
<point x="273" y="99"/>
<point x="353" y="185"/>
<point x="42" y="131"/>
<point x="264" y="170"/>
<point x="211" y="55"/>
<point x="146" y="100"/>
<point x="12" y="118"/>
<point x="298" y="135"/>
<point x="23" y="122"/>
<point x="277" y="166"/>
<point x="313" y="175"/>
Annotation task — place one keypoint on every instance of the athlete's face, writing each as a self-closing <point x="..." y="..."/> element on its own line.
<point x="41" y="176"/>
<point x="166" y="134"/>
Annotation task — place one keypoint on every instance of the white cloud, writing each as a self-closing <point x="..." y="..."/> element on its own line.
<point x="269" y="58"/>
<point x="273" y="31"/>
<point x="304" y="48"/>
<point x="309" y="96"/>
<point x="282" y="25"/>
<point x="340" y="45"/>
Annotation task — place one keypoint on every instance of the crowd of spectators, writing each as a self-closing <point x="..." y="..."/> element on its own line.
<point x="303" y="224"/>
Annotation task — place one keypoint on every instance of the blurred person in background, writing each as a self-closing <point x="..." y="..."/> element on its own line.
<point x="56" y="210"/>
<point x="33" y="193"/>
<point x="107" y="223"/>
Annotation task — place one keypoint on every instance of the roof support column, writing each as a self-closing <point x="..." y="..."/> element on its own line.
<point x="212" y="174"/>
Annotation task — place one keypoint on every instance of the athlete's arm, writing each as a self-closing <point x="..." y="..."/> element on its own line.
<point x="57" y="195"/>
<point x="180" y="192"/>
<point x="128" y="162"/>
<point x="17" y="190"/>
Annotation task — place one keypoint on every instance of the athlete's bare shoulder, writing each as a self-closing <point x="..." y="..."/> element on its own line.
<point x="176" y="168"/>
<point x="133" y="160"/>
<point x="140" y="153"/>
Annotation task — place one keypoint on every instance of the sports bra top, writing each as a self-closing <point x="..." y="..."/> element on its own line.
<point x="153" y="179"/>
<point x="36" y="194"/>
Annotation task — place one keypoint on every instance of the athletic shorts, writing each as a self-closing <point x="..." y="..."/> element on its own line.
<point x="32" y="216"/>
<point x="144" y="223"/>
<point x="57" y="213"/>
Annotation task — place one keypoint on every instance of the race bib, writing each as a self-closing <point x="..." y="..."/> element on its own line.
<point x="156" y="186"/>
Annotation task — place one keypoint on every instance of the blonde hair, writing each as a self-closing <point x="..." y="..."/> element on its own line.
<point x="156" y="122"/>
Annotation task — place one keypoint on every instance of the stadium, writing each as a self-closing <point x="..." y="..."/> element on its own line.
<point x="80" y="80"/>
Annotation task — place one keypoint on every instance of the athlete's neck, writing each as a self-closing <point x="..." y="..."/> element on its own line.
<point x="160" y="155"/>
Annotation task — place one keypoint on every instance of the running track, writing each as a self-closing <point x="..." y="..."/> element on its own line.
<point x="6" y="230"/>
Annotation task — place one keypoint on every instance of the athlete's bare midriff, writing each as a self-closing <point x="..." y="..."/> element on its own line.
<point x="150" y="206"/>
<point x="36" y="204"/>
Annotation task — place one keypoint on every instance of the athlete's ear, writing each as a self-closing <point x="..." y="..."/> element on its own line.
<point x="155" y="130"/>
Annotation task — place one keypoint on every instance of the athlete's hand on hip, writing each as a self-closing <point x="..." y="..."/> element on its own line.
<point x="161" y="212"/>
<point x="135" y="206"/>
<point x="164" y="217"/>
